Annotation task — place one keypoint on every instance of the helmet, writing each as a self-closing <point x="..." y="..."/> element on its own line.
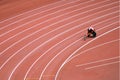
<point x="91" y="28"/>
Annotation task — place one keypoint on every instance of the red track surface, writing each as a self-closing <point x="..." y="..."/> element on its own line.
<point x="47" y="43"/>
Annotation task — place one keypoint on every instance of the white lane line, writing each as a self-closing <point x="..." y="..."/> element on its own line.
<point x="30" y="11"/>
<point x="43" y="29"/>
<point x="90" y="49"/>
<point x="51" y="31"/>
<point x="106" y="64"/>
<point x="60" y="53"/>
<point x="56" y="46"/>
<point x="99" y="60"/>
<point x="38" y="14"/>
<point x="50" y="40"/>
<point x="64" y="25"/>
<point x="43" y="23"/>
<point x="45" y="20"/>
<point x="53" y="37"/>
<point x="56" y="76"/>
<point x="49" y="5"/>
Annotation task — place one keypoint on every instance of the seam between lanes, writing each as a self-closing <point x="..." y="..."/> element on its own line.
<point x="40" y="45"/>
<point x="57" y="35"/>
<point x="43" y="21"/>
<point x="50" y="31"/>
<point x="27" y="12"/>
<point x="98" y="46"/>
<point x="95" y="48"/>
<point x="59" y="54"/>
<point x="38" y="13"/>
<point x="81" y="48"/>
<point x="91" y="49"/>
<point x="15" y="53"/>
<point x="32" y="10"/>
<point x="36" y="19"/>
<point x="52" y="48"/>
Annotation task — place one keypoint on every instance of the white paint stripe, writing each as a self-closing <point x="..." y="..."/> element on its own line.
<point x="88" y="21"/>
<point x="54" y="47"/>
<point x="91" y="49"/>
<point x="106" y="64"/>
<point x="50" y="39"/>
<point x="37" y="14"/>
<point x="46" y="42"/>
<point x="59" y="54"/>
<point x="48" y="32"/>
<point x="56" y="76"/>
<point x="106" y="20"/>
<point x="98" y="60"/>
<point x="39" y="37"/>
<point x="43" y="23"/>
<point x="47" y="19"/>
<point x="36" y="9"/>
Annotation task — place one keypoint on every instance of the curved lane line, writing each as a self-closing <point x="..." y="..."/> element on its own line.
<point x="16" y="52"/>
<point x="29" y="11"/>
<point x="95" y="48"/>
<point x="33" y="10"/>
<point x="60" y="53"/>
<point x="81" y="48"/>
<point x="50" y="40"/>
<point x="91" y="49"/>
<point x="37" y="14"/>
<point x="37" y="19"/>
<point x="50" y="31"/>
<point x="55" y="46"/>
<point x="42" y="22"/>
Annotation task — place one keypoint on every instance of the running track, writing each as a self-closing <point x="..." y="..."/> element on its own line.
<point x="47" y="43"/>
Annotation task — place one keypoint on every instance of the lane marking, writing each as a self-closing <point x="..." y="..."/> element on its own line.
<point x="52" y="48"/>
<point x="56" y="76"/>
<point x="52" y="31"/>
<point x="47" y="20"/>
<point x="90" y="49"/>
<point x="98" y="61"/>
<point x="58" y="55"/>
<point x="106" y="64"/>
<point x="37" y="14"/>
<point x="58" y="2"/>
<point x="43" y="44"/>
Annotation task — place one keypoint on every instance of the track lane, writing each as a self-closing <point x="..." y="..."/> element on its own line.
<point x="52" y="62"/>
<point x="41" y="14"/>
<point x="56" y="76"/>
<point x="3" y="40"/>
<point x="89" y="56"/>
<point x="51" y="49"/>
<point x="33" y="12"/>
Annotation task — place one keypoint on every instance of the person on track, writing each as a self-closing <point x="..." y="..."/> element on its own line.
<point x="91" y="32"/>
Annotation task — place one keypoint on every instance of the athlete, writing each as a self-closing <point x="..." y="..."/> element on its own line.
<point x="91" y="32"/>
